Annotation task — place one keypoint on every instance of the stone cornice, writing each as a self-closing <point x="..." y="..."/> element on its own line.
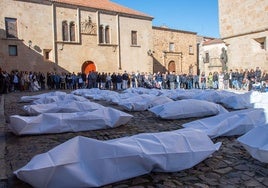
<point x="104" y="11"/>
<point x="174" y="30"/>
<point x="45" y="2"/>
<point x="243" y="34"/>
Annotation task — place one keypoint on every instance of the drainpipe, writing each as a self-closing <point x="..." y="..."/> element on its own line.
<point x="54" y="29"/>
<point x="119" y="42"/>
<point x="98" y="25"/>
<point x="78" y="25"/>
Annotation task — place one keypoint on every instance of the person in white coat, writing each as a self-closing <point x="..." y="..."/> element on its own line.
<point x="35" y="86"/>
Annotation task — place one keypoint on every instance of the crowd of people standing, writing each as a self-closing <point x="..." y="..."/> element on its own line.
<point x="233" y="79"/>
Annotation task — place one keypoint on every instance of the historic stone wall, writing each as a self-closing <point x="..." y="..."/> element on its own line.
<point x="244" y="29"/>
<point x="242" y="16"/>
<point x="135" y="57"/>
<point x="42" y="24"/>
<point x="72" y="55"/>
<point x="244" y="52"/>
<point x="214" y="63"/>
<point x="183" y="41"/>
<point x="34" y="22"/>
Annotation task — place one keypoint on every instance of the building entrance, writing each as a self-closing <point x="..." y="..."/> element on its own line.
<point x="171" y="66"/>
<point x="88" y="66"/>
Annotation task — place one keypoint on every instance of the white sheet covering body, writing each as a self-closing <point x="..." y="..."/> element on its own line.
<point x="158" y="100"/>
<point x="187" y="108"/>
<point x="95" y="93"/>
<point x="256" y="143"/>
<point x="36" y="97"/>
<point x="62" y="107"/>
<point x="142" y="102"/>
<point x="136" y="102"/>
<point x="229" y="124"/>
<point x="68" y="122"/>
<point x="85" y="162"/>
<point x="237" y="101"/>
<point x="212" y="95"/>
<point x="59" y="98"/>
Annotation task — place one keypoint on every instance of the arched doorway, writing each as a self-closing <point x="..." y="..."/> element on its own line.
<point x="171" y="66"/>
<point x="88" y="66"/>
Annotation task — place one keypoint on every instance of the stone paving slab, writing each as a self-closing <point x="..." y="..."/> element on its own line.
<point x="231" y="166"/>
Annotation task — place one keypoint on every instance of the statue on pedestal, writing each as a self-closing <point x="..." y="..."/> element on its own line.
<point x="224" y="59"/>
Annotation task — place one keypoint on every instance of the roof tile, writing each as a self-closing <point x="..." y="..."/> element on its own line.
<point x="214" y="41"/>
<point x="103" y="5"/>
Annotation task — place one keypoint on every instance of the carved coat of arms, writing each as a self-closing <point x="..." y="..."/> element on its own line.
<point x="89" y="27"/>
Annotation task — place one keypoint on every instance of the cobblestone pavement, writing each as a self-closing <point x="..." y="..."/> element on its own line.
<point x="231" y="166"/>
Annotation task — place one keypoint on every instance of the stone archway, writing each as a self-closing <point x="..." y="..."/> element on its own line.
<point x="88" y="66"/>
<point x="172" y="66"/>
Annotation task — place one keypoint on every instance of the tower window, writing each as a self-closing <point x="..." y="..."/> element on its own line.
<point x="107" y="35"/>
<point x="206" y="58"/>
<point x="171" y="47"/>
<point x="72" y="31"/>
<point x="13" y="50"/>
<point x="261" y="42"/>
<point x="11" y="28"/>
<point x="101" y="34"/>
<point x="134" y="40"/>
<point x="46" y="53"/>
<point x="191" y="50"/>
<point x="64" y="31"/>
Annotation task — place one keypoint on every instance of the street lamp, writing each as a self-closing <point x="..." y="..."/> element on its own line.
<point x="150" y="52"/>
<point x="30" y="43"/>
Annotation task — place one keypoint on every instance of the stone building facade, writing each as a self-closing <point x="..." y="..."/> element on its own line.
<point x="74" y="36"/>
<point x="79" y="36"/>
<point x="244" y="29"/>
<point x="210" y="50"/>
<point x="174" y="50"/>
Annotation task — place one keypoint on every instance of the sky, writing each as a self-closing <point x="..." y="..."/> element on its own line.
<point x="200" y="16"/>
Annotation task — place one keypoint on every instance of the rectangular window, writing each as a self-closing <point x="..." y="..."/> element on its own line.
<point x="46" y="53"/>
<point x="11" y="28"/>
<point x="12" y="50"/>
<point x="134" y="38"/>
<point x="64" y="31"/>
<point x="101" y="34"/>
<point x="171" y="47"/>
<point x="207" y="58"/>
<point x="107" y="35"/>
<point x="261" y="42"/>
<point x="191" y="50"/>
<point x="72" y="31"/>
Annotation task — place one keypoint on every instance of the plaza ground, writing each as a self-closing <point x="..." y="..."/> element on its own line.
<point x="231" y="166"/>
